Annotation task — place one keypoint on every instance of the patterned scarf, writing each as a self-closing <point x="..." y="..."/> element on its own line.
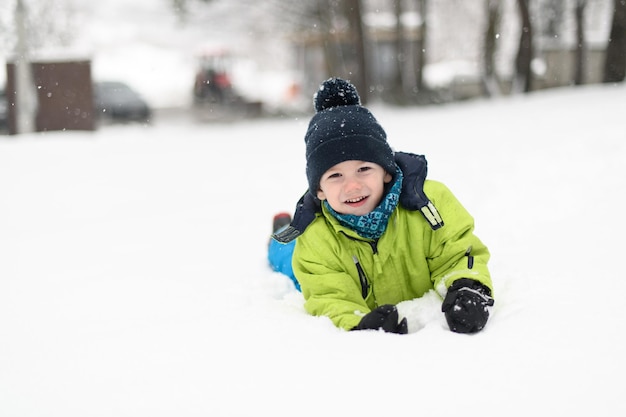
<point x="373" y="224"/>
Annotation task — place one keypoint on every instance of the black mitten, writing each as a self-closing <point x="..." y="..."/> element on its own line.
<point x="384" y="317"/>
<point x="465" y="306"/>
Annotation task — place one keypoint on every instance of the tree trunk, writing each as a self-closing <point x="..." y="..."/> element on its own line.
<point x="615" y="64"/>
<point x="397" y="81"/>
<point x="329" y="45"/>
<point x="525" y="51"/>
<point x="360" y="73"/>
<point x="25" y="97"/>
<point x="579" y="63"/>
<point x="420" y="57"/>
<point x="490" y="80"/>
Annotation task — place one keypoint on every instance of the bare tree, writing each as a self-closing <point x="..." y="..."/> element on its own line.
<point x="330" y="44"/>
<point x="46" y="25"/>
<point x="343" y="38"/>
<point x="579" y="58"/>
<point x="523" y="81"/>
<point x="397" y="82"/>
<point x="615" y="64"/>
<point x="24" y="96"/>
<point x="421" y="50"/>
<point x="359" y="75"/>
<point x="490" y="80"/>
<point x="343" y="41"/>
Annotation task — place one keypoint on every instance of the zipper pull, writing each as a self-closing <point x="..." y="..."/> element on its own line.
<point x="364" y="284"/>
<point x="470" y="258"/>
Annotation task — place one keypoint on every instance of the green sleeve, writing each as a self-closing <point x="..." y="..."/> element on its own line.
<point x="454" y="250"/>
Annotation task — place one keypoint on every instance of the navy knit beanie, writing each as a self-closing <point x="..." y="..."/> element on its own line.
<point x="343" y="130"/>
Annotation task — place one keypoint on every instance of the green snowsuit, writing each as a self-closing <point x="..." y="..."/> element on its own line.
<point x="408" y="260"/>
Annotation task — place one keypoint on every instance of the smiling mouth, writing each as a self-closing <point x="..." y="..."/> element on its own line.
<point x="355" y="200"/>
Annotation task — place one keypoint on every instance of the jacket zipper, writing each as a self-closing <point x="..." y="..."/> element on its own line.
<point x="365" y="284"/>
<point x="470" y="258"/>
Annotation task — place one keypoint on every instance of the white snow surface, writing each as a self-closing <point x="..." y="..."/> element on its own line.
<point x="134" y="282"/>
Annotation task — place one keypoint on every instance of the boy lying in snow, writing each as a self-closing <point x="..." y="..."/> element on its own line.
<point x="369" y="233"/>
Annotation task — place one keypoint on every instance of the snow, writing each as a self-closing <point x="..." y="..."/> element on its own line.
<point x="134" y="279"/>
<point x="133" y="275"/>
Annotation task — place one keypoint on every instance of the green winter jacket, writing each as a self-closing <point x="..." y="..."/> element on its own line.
<point x="408" y="260"/>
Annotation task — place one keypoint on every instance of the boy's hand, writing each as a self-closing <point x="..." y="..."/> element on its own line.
<point x="384" y="317"/>
<point x="465" y="306"/>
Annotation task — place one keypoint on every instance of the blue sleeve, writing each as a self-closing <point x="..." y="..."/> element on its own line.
<point x="279" y="257"/>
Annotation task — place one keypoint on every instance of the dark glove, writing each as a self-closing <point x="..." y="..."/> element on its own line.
<point x="465" y="306"/>
<point x="384" y="317"/>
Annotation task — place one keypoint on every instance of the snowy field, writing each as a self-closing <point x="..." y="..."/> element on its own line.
<point x="133" y="276"/>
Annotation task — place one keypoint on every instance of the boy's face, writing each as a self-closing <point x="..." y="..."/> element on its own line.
<point x="353" y="187"/>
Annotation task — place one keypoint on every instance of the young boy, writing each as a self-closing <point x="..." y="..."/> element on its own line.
<point x="371" y="231"/>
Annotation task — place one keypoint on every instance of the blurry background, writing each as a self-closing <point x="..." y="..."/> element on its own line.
<point x="249" y="58"/>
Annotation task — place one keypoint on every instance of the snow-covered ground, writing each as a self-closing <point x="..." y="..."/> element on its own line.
<point x="133" y="277"/>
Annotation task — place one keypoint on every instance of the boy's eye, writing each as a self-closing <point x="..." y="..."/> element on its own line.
<point x="365" y="168"/>
<point x="335" y="175"/>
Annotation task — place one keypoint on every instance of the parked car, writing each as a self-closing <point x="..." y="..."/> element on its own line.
<point x="117" y="101"/>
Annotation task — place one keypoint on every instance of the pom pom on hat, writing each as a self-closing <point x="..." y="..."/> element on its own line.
<point x="335" y="92"/>
<point x="342" y="130"/>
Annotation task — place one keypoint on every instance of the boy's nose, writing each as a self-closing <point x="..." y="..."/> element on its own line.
<point x="352" y="184"/>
